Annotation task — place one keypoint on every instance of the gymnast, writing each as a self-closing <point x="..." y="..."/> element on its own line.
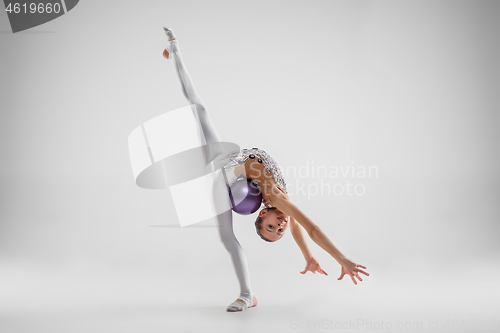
<point x="279" y="212"/>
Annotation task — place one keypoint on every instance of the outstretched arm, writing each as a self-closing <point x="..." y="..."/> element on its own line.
<point x="349" y="267"/>
<point x="314" y="232"/>
<point x="299" y="236"/>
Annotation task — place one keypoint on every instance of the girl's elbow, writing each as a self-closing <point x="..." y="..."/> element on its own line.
<point x="314" y="232"/>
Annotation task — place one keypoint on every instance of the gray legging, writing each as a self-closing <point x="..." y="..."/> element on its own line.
<point x="224" y="220"/>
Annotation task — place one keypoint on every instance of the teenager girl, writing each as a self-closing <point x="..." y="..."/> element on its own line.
<point x="279" y="212"/>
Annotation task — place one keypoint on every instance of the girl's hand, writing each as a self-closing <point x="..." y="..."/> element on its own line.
<point x="350" y="268"/>
<point x="313" y="266"/>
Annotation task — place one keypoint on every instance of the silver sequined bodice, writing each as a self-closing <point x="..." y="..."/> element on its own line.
<point x="237" y="158"/>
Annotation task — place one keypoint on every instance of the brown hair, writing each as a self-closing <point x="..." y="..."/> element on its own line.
<point x="258" y="225"/>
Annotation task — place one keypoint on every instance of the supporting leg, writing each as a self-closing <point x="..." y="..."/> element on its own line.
<point x="225" y="226"/>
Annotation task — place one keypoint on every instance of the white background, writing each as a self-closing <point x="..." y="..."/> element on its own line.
<point x="410" y="87"/>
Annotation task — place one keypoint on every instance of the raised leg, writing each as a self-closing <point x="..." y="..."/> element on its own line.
<point x="191" y="95"/>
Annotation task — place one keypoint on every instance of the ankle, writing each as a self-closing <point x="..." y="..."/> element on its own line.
<point x="247" y="298"/>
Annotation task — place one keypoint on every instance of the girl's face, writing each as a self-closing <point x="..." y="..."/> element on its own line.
<point x="274" y="223"/>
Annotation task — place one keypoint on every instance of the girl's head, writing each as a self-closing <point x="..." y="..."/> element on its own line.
<point x="271" y="224"/>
